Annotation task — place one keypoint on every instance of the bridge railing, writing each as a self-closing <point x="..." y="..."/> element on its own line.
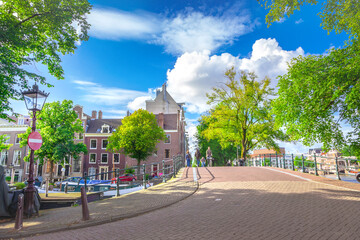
<point x="154" y="173"/>
<point x="314" y="164"/>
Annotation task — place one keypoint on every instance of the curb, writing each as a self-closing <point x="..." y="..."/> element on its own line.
<point x="96" y="222"/>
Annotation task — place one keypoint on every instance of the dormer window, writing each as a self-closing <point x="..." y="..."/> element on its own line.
<point x="105" y="129"/>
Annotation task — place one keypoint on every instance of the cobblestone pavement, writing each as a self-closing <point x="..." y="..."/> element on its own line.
<point x="244" y="203"/>
<point x="107" y="210"/>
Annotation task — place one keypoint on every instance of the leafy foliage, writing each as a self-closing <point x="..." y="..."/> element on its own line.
<point x="317" y="94"/>
<point x="220" y="154"/>
<point x="242" y="114"/>
<point x="138" y="136"/>
<point x="337" y="15"/>
<point x="3" y="145"/>
<point x="36" y="31"/>
<point x="58" y="124"/>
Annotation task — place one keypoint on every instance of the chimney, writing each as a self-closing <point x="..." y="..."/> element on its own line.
<point x="161" y="120"/>
<point x="100" y="114"/>
<point x="128" y="113"/>
<point x="93" y="114"/>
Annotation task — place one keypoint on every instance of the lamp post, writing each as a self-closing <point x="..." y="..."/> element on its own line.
<point x="34" y="101"/>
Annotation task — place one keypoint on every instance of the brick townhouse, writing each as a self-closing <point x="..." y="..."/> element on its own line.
<point x="13" y="159"/>
<point x="169" y="115"/>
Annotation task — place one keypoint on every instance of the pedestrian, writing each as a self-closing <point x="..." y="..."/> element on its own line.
<point x="228" y="163"/>
<point x="209" y="157"/>
<point x="203" y="162"/>
<point x="197" y="156"/>
<point x="188" y="158"/>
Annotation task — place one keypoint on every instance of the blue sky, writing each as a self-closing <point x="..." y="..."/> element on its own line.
<point x="137" y="45"/>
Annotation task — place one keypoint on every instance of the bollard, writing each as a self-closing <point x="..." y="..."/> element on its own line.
<point x="84" y="205"/>
<point x="47" y="187"/>
<point x="19" y="213"/>
<point x="117" y="174"/>
<point x="303" y="163"/>
<point x="316" y="171"/>
<point x="85" y="181"/>
<point x="164" y="178"/>
<point x="144" y="177"/>
<point x="292" y="161"/>
<point x="66" y="187"/>
<point x="337" y="169"/>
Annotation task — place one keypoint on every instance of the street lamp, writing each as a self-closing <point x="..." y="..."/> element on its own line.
<point x="34" y="101"/>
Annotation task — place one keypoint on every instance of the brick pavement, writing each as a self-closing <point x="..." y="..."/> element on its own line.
<point x="107" y="210"/>
<point x="232" y="203"/>
<point x="244" y="203"/>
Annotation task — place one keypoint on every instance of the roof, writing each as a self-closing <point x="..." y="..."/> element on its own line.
<point x="94" y="126"/>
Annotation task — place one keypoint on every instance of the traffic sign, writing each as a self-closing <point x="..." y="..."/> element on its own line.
<point x="34" y="141"/>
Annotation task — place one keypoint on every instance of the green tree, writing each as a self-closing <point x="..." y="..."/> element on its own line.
<point x="339" y="16"/>
<point x="242" y="114"/>
<point x="36" y="31"/>
<point x="137" y="136"/>
<point x="58" y="125"/>
<point x="220" y="154"/>
<point x="319" y="93"/>
<point x="3" y="144"/>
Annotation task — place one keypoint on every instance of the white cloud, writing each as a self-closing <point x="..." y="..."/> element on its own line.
<point x="84" y="83"/>
<point x="138" y="103"/>
<point x="195" y="31"/>
<point x="281" y="20"/>
<point x="192" y="130"/>
<point x="194" y="74"/>
<point x="299" y="21"/>
<point x="116" y="25"/>
<point x="184" y="32"/>
<point x="110" y="96"/>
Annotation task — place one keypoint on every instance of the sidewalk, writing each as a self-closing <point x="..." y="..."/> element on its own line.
<point x="104" y="211"/>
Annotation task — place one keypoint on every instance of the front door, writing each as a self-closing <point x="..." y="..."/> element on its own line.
<point x="104" y="174"/>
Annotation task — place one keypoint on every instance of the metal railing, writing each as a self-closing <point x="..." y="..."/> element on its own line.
<point x="164" y="170"/>
<point x="313" y="164"/>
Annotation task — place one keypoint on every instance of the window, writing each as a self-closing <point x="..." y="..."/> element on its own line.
<point x="4" y="157"/>
<point x="76" y="165"/>
<point x="93" y="144"/>
<point x="104" y="158"/>
<point x="104" y="143"/>
<point x="167" y="153"/>
<point x="17" y="139"/>
<point x="7" y="139"/>
<point x="168" y="138"/>
<point x="17" y="158"/>
<point x="105" y="129"/>
<point x="116" y="158"/>
<point x="27" y="165"/>
<point x="92" y="171"/>
<point x="20" y="121"/>
<point x="81" y="136"/>
<point x="92" y="158"/>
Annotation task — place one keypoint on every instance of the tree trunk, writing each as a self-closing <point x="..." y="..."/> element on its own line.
<point x="51" y="171"/>
<point x="138" y="169"/>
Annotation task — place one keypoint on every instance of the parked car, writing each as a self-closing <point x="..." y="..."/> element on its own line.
<point x="125" y="178"/>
